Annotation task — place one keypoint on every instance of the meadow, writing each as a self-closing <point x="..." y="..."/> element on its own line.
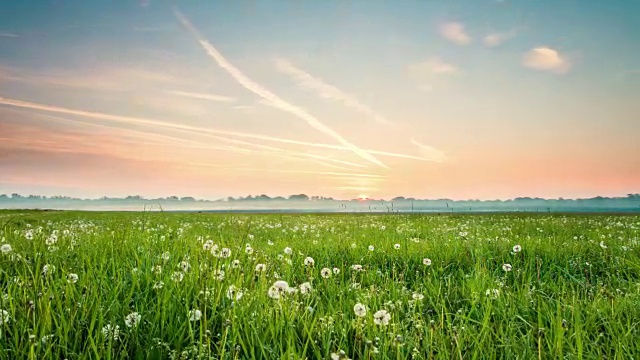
<point x="109" y="285"/>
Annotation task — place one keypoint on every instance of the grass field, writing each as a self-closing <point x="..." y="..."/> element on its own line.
<point x="222" y="286"/>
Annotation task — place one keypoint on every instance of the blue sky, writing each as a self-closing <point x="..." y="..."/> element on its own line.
<point x="484" y="99"/>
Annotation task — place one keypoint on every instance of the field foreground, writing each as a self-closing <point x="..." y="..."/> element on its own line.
<point x="220" y="286"/>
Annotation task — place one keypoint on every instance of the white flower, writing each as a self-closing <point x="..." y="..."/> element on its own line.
<point x="357" y="267"/>
<point x="517" y="248"/>
<point x="195" y="315"/>
<point x="360" y="310"/>
<point x="234" y="293"/>
<point x="602" y="245"/>
<point x="325" y="273"/>
<point x="111" y="332"/>
<point x="52" y="239"/>
<point x="48" y="269"/>
<point x="28" y="235"/>
<point x="270" y="243"/>
<point x="336" y="271"/>
<point x="396" y="246"/>
<point x="207" y="245"/>
<point x="235" y="264"/>
<point x="381" y="317"/>
<point x="5" y="248"/>
<point x="248" y="250"/>
<point x="132" y="320"/>
<point x="225" y="252"/>
<point x="305" y="288"/>
<point x="371" y="248"/>
<point x="278" y="288"/>
<point x="72" y="278"/>
<point x="218" y="275"/>
<point x="165" y="256"/>
<point x="177" y="276"/>
<point x="417" y="296"/>
<point x="492" y="293"/>
<point x="185" y="266"/>
<point x="426" y="261"/>
<point x="288" y="250"/>
<point x="507" y="267"/>
<point x="157" y="269"/>
<point x="308" y="261"/>
<point x="261" y="267"/>
<point x="4" y="317"/>
<point x="158" y="285"/>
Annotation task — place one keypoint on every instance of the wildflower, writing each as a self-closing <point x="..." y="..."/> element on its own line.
<point x="5" y="248"/>
<point x="270" y="243"/>
<point x="72" y="278"/>
<point x="158" y="285"/>
<point x="506" y="267"/>
<point x="248" y="250"/>
<point x="325" y="273"/>
<point x="417" y="296"/>
<point x="207" y="245"/>
<point x="426" y="262"/>
<point x="396" y="246"/>
<point x="353" y="245"/>
<point x="177" y="276"/>
<point x="111" y="332"/>
<point x="288" y="250"/>
<point x="195" y="315"/>
<point x="336" y="271"/>
<point x="218" y="275"/>
<point x="47" y="269"/>
<point x="360" y="310"/>
<point x="381" y="317"/>
<point x="165" y="256"/>
<point x="278" y="288"/>
<point x="52" y="239"/>
<point x="371" y="248"/>
<point x="235" y="264"/>
<point x="261" y="267"/>
<point x="308" y="261"/>
<point x="517" y="248"/>
<point x="602" y="245"/>
<point x="185" y="266"/>
<point x="225" y="252"/>
<point x="4" y="317"/>
<point x="28" y="235"/>
<point x="492" y="293"/>
<point x="234" y="293"/>
<point x="305" y="288"/>
<point x="157" y="269"/>
<point x="357" y="267"/>
<point x="132" y="320"/>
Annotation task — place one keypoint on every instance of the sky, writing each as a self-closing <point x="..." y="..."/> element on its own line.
<point x="451" y="99"/>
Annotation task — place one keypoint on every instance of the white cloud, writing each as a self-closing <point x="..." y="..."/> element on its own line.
<point x="9" y="35"/>
<point x="454" y="32"/>
<point x="430" y="68"/>
<point x="497" y="39"/>
<point x="324" y="90"/>
<point x="546" y="59"/>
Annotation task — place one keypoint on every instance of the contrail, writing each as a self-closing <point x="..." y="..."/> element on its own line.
<point x="259" y="90"/>
<point x="212" y="97"/>
<point x="204" y="132"/>
<point x="324" y="90"/>
<point x="191" y="129"/>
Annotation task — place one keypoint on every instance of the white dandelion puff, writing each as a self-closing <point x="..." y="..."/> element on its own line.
<point x="381" y="317"/>
<point x="360" y="310"/>
<point x="132" y="320"/>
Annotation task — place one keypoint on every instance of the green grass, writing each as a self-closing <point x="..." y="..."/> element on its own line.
<point x="573" y="292"/>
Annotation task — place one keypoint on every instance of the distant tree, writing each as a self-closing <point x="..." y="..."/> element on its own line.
<point x="187" y="199"/>
<point x="3" y="197"/>
<point x="302" y="197"/>
<point x="16" y="196"/>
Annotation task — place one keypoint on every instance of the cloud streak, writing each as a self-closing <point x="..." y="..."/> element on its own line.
<point x="212" y="97"/>
<point x="325" y="91"/>
<point x="191" y="129"/>
<point x="262" y="92"/>
<point x="8" y="35"/>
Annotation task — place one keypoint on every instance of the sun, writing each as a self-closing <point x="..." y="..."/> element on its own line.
<point x="363" y="197"/>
